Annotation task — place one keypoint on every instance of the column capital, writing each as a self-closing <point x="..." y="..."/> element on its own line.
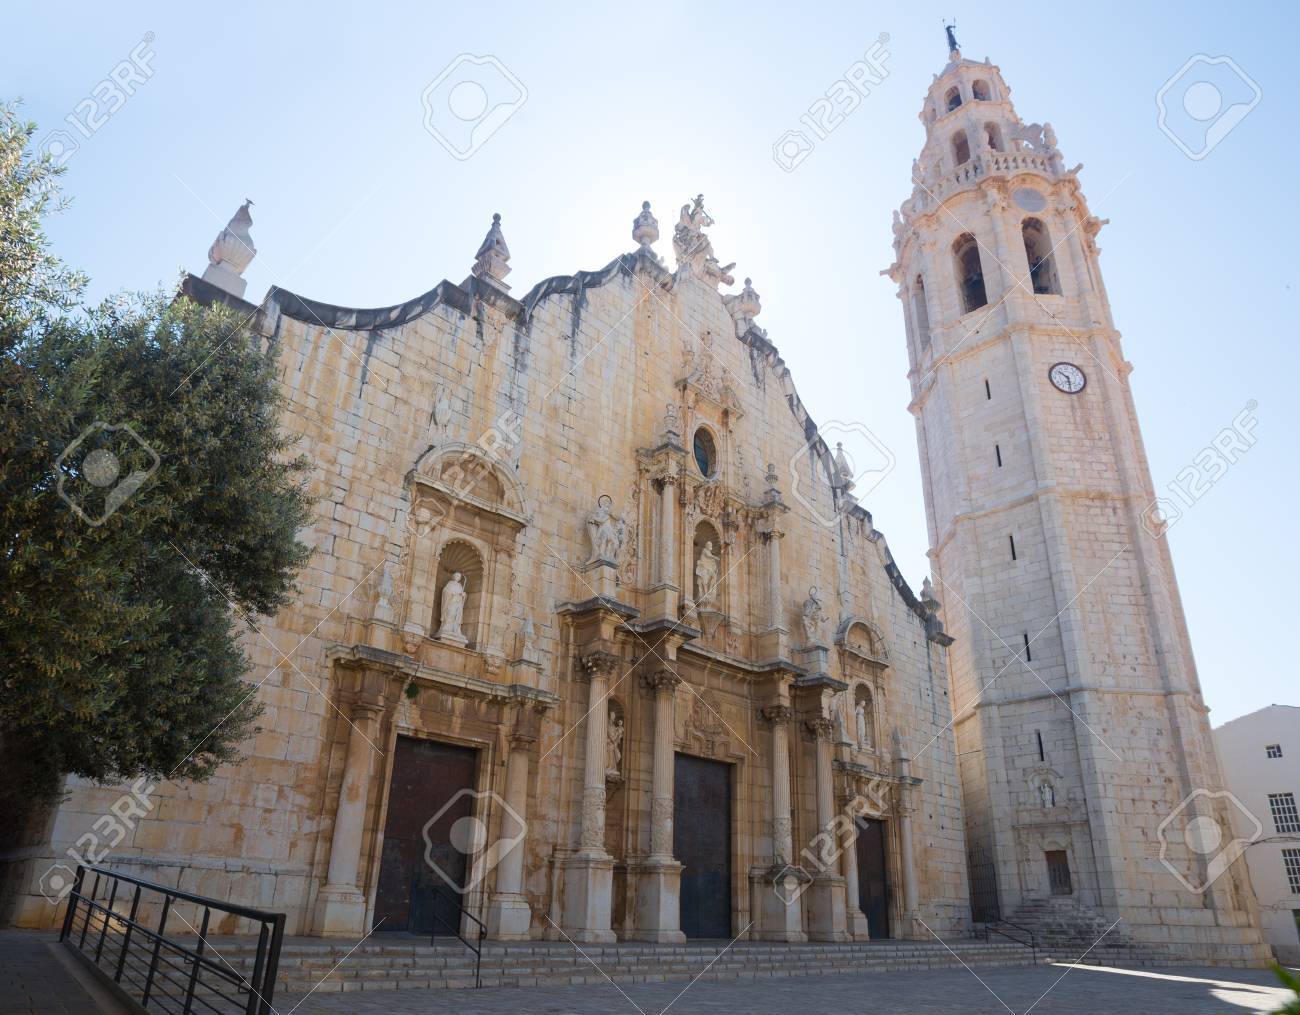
<point x="600" y="664"/>
<point x="777" y="715"/>
<point x="820" y="728"/>
<point x="772" y="534"/>
<point x="662" y="680"/>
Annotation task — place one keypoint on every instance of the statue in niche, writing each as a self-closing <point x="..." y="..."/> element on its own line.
<point x="706" y="577"/>
<point x="384" y="593"/>
<point x="453" y="610"/>
<point x="605" y="530"/>
<point x="814" y="617"/>
<point x="863" y="723"/>
<point x="613" y="746"/>
<point x="1047" y="794"/>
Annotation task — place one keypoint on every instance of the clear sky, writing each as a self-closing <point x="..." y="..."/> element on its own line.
<point x="315" y="112"/>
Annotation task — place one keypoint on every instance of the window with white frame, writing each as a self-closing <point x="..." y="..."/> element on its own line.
<point x="1285" y="817"/>
<point x="1273" y="750"/>
<point x="1291" y="863"/>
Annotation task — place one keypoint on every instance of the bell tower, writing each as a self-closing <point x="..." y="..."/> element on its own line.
<point x="1089" y="779"/>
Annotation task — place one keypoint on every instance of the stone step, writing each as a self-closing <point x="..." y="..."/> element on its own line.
<point x="307" y="966"/>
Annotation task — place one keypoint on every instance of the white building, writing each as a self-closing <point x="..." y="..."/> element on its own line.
<point x="1260" y="754"/>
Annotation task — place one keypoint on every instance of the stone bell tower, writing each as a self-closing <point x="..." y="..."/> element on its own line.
<point x="1090" y="784"/>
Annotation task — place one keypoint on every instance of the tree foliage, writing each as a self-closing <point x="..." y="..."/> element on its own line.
<point x="150" y="504"/>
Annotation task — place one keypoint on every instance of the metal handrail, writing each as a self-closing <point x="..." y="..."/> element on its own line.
<point x="159" y="961"/>
<point x="1031" y="944"/>
<point x="476" y="948"/>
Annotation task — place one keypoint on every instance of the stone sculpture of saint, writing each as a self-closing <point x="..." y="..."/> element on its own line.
<point x="613" y="746"/>
<point x="706" y="577"/>
<point x="453" y="609"/>
<point x="1047" y="793"/>
<point x="605" y="529"/>
<point x="864" y="734"/>
<point x="813" y="617"/>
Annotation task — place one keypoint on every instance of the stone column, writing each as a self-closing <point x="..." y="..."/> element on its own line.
<point x="903" y="768"/>
<point x="856" y="919"/>
<point x="775" y="618"/>
<point x="341" y="904"/>
<point x="589" y="875"/>
<point x="827" y="917"/>
<point x="781" y="911"/>
<point x="664" y="595"/>
<point x="658" y="898"/>
<point x="509" y="915"/>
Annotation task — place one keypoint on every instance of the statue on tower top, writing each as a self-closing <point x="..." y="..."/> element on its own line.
<point x="953" y="48"/>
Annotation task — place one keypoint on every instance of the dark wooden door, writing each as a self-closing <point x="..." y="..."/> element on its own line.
<point x="873" y="876"/>
<point x="702" y="844"/>
<point x="1058" y="872"/>
<point x="427" y="778"/>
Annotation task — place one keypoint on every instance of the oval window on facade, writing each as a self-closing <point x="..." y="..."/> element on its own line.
<point x="705" y="451"/>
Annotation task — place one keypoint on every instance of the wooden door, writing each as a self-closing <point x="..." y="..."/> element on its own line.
<point x="428" y="778"/>
<point x="702" y="844"/>
<point x="873" y="876"/>
<point x="1058" y="872"/>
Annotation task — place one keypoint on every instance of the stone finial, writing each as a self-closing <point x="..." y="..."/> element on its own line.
<point x="491" y="262"/>
<point x="927" y="594"/>
<point x="231" y="253"/>
<point x="645" y="229"/>
<point x="843" y="469"/>
<point x="744" y="307"/>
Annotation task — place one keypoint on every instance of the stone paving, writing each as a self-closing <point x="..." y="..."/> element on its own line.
<point x="1044" y="990"/>
<point x="35" y="979"/>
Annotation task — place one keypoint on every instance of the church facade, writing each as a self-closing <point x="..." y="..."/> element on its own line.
<point x="568" y="653"/>
<point x="597" y="642"/>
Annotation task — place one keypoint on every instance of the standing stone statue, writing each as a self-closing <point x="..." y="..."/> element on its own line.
<point x="813" y="617"/>
<point x="706" y="577"/>
<point x="864" y="734"/>
<point x="614" y="746"/>
<point x="453" y="610"/>
<point x="605" y="529"/>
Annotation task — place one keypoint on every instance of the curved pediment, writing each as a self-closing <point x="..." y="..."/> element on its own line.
<point x="863" y="639"/>
<point x="469" y="474"/>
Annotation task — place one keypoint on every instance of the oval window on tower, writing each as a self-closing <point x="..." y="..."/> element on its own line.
<point x="706" y="455"/>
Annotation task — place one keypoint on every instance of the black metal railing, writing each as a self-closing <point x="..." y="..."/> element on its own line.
<point x="151" y="943"/>
<point x="1020" y="935"/>
<point x="476" y="945"/>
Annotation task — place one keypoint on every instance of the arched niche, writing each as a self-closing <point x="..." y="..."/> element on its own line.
<point x="864" y="717"/>
<point x="457" y="556"/>
<point x="706" y="539"/>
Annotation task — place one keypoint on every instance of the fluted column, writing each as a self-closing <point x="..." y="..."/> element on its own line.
<point x="773" y="537"/>
<point x="668" y="528"/>
<point x="903" y="768"/>
<point x="849" y="864"/>
<point x="341" y="905"/>
<point x="663" y="684"/>
<point x="598" y="666"/>
<point x="509" y="915"/>
<point x="782" y="835"/>
<point x="828" y="918"/>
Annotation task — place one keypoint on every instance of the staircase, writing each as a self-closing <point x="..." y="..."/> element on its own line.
<point x="1072" y="932"/>
<point x="405" y="963"/>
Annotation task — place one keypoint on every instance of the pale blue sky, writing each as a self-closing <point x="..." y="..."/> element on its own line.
<point x="315" y="112"/>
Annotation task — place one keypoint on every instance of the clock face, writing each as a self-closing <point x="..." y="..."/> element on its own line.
<point x="1067" y="377"/>
<point x="1029" y="199"/>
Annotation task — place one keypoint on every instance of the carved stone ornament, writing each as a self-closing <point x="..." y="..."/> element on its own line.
<point x="600" y="664"/>
<point x="491" y="263"/>
<point x="744" y="307"/>
<point x="694" y="250"/>
<point x="645" y="229"/>
<point x="605" y="529"/>
<point x="231" y="253"/>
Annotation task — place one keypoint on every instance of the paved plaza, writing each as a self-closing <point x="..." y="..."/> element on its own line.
<point x="1043" y="990"/>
